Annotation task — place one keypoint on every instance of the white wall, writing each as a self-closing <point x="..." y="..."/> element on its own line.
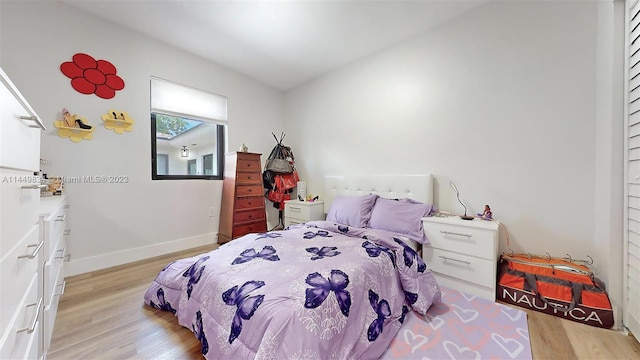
<point x="509" y="100"/>
<point x="504" y="101"/>
<point x="117" y="223"/>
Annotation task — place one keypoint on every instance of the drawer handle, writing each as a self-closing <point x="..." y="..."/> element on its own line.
<point x="460" y="261"/>
<point x="38" y="122"/>
<point x="35" y="252"/>
<point x="455" y="233"/>
<point x="64" y="285"/>
<point x="294" y="209"/>
<point x="61" y="217"/>
<point x="67" y="206"/>
<point x="67" y="232"/>
<point x="34" y="321"/>
<point x="34" y="187"/>
<point x="63" y="253"/>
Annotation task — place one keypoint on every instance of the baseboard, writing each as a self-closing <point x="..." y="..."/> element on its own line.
<point x="632" y="325"/>
<point x="103" y="261"/>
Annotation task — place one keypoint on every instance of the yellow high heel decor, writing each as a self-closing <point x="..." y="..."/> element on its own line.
<point x="74" y="127"/>
<point x="118" y="121"/>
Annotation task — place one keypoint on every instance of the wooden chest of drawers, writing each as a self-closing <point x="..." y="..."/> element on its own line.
<point x="242" y="211"/>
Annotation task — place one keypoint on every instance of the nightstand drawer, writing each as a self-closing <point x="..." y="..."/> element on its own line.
<point x="293" y="210"/>
<point x="468" y="268"/>
<point x="303" y="211"/>
<point x="291" y="221"/>
<point x="464" y="240"/>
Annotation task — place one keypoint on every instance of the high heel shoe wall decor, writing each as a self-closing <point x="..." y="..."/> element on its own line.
<point x="74" y="127"/>
<point x="118" y="121"/>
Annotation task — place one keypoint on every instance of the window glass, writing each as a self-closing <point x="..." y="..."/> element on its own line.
<point x="163" y="164"/>
<point x="207" y="161"/>
<point x="188" y="131"/>
<point x="192" y="167"/>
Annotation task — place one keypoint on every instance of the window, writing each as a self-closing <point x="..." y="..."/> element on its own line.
<point x="163" y="164"/>
<point x="207" y="164"/>
<point x="192" y="168"/>
<point x="188" y="132"/>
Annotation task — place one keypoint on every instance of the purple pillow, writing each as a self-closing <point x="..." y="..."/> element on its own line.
<point x="400" y="217"/>
<point x="352" y="210"/>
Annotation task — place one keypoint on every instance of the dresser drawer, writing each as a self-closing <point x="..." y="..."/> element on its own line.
<point x="248" y="190"/>
<point x="53" y="269"/>
<point x="251" y="166"/>
<point x="247" y="216"/>
<point x="19" y="139"/>
<point x="55" y="226"/>
<point x="51" y="309"/>
<point x="464" y="240"/>
<point x="18" y="341"/>
<point x="469" y="268"/>
<point x="19" y="207"/>
<point x="249" y="178"/>
<point x="257" y="227"/>
<point x="249" y="203"/>
<point x="17" y="270"/>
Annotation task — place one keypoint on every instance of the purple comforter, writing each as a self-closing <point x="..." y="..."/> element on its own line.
<point x="314" y="291"/>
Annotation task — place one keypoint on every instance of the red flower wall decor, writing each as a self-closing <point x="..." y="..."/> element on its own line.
<point x="90" y="76"/>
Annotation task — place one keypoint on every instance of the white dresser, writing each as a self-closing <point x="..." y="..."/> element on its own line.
<point x="21" y="248"/>
<point x="463" y="254"/>
<point x="53" y="232"/>
<point x="298" y="212"/>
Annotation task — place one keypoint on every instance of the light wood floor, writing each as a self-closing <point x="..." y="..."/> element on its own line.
<point x="102" y="316"/>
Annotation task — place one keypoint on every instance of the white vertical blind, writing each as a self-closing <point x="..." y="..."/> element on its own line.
<point x="174" y="99"/>
<point x="632" y="237"/>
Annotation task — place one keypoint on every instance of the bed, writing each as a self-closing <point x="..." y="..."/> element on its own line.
<point x="330" y="289"/>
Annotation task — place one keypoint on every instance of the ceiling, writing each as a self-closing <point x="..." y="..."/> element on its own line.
<point x="280" y="43"/>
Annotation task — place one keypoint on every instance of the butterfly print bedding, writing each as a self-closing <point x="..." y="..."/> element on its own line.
<point x="322" y="287"/>
<point x="246" y="305"/>
<point x="194" y="272"/>
<point x="318" y="291"/>
<point x="267" y="253"/>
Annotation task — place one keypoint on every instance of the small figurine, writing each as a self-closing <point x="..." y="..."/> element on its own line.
<point x="486" y="215"/>
<point x="55" y="186"/>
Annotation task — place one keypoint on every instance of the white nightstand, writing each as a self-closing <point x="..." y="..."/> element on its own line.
<point x="298" y="212"/>
<point x="463" y="254"/>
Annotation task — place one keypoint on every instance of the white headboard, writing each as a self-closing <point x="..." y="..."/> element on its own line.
<point x="417" y="187"/>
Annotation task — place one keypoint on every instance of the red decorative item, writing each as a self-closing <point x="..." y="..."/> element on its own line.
<point x="89" y="76"/>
